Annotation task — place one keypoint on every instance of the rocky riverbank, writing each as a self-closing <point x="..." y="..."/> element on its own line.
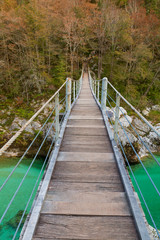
<point x="138" y="132"/>
<point x="10" y="124"/>
<point x="142" y="132"/>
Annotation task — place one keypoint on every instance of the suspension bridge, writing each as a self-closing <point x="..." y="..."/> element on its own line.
<point x="85" y="192"/>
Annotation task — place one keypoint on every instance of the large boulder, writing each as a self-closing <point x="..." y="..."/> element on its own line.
<point x="124" y="138"/>
<point x="109" y="112"/>
<point x="156" y="108"/>
<point x="36" y="125"/>
<point x="51" y="132"/>
<point x="16" y="124"/>
<point x="122" y="112"/>
<point x="124" y="121"/>
<point x="141" y="127"/>
<point x="152" y="139"/>
<point x="146" y="111"/>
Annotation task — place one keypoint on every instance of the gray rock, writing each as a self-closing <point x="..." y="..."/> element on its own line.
<point x="3" y="121"/>
<point x="156" y="108"/>
<point x="149" y="143"/>
<point x="14" y="125"/>
<point x="109" y="112"/>
<point x="124" y="138"/>
<point x="143" y="151"/>
<point x="36" y="125"/>
<point x="29" y="129"/>
<point x="18" y="123"/>
<point x="142" y="127"/>
<point x="122" y="112"/>
<point x="124" y="121"/>
<point x="51" y="133"/>
<point x="145" y="112"/>
<point x="153" y="137"/>
<point x="51" y="105"/>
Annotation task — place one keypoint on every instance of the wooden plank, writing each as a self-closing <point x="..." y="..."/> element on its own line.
<point x="81" y="117"/>
<point x="86" y="126"/>
<point x="86" y="172"/>
<point x="96" y="198"/>
<point x="86" y="114"/>
<point x="85" y="187"/>
<point x="96" y="143"/>
<point x="86" y="109"/>
<point x="86" y="207"/>
<point x="72" y="156"/>
<point x="75" y="227"/>
<point x="91" y="122"/>
<point x="85" y="148"/>
<point x="85" y="103"/>
<point x="86" y="131"/>
<point x="90" y="139"/>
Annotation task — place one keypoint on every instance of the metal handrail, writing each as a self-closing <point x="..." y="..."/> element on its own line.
<point x="134" y="109"/>
<point x="57" y="125"/>
<point x="102" y="103"/>
<point x="135" y="180"/>
<point x="135" y="131"/>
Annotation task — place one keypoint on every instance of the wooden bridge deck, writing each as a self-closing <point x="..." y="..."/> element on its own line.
<point x="86" y="198"/>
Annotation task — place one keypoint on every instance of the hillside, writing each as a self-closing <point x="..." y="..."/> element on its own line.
<point x="42" y="42"/>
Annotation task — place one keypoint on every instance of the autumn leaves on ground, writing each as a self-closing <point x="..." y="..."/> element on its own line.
<point x="43" y="41"/>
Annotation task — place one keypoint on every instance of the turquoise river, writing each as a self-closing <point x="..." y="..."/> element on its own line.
<point x="12" y="218"/>
<point x="151" y="197"/>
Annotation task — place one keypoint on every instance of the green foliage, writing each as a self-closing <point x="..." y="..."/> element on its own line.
<point x="59" y="72"/>
<point x="40" y="47"/>
<point x="25" y="112"/>
<point x="154" y="116"/>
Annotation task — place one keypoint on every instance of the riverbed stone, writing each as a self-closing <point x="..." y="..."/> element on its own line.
<point x="51" y="133"/>
<point x="145" y="112"/>
<point x="141" y="127"/>
<point x="156" y="108"/>
<point x="124" y="138"/>
<point x="36" y="125"/>
<point x="109" y="112"/>
<point x="124" y="121"/>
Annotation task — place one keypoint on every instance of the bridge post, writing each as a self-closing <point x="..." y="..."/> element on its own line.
<point x="57" y="115"/>
<point x="92" y="82"/>
<point x="104" y="93"/>
<point x="68" y="94"/>
<point x="95" y="87"/>
<point x="74" y="90"/>
<point x="98" y="92"/>
<point x="116" y="116"/>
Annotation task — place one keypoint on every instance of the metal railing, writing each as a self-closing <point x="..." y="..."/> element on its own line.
<point x="109" y="100"/>
<point x="61" y="106"/>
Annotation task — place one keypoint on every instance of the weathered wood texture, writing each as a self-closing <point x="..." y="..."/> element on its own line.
<point x="86" y="198"/>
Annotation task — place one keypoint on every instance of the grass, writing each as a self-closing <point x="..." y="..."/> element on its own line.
<point x="154" y="117"/>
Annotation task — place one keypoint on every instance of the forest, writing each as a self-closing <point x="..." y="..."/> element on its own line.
<point x="44" y="41"/>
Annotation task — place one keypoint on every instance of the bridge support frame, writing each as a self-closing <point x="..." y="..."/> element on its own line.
<point x="57" y="115"/>
<point x="95" y="87"/>
<point x="104" y="93"/>
<point x="74" y="90"/>
<point x="98" y="91"/>
<point x="68" y="94"/>
<point x="116" y="116"/>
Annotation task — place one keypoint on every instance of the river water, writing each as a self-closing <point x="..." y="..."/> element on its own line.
<point x="149" y="193"/>
<point x="11" y="220"/>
